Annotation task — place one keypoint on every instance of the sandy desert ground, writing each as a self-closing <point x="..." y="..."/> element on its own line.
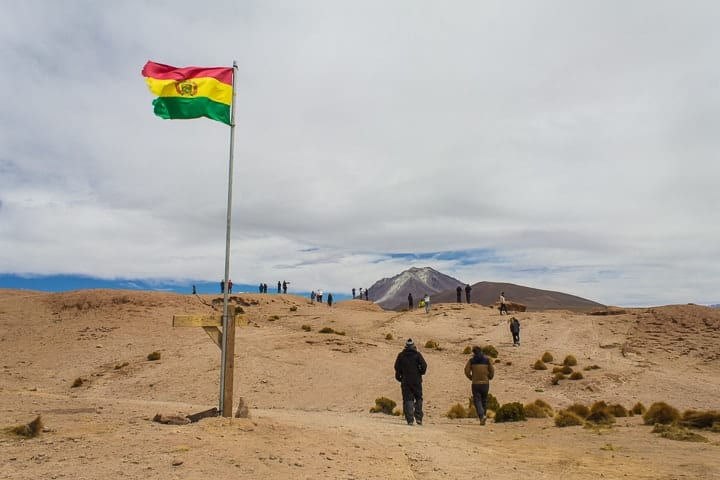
<point x="310" y="393"/>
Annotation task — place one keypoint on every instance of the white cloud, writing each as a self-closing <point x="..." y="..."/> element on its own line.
<point x="576" y="141"/>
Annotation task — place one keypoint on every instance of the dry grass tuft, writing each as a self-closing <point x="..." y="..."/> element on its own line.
<point x="331" y="330"/>
<point x="432" y="344"/>
<point x="118" y="366"/>
<point x="576" y="376"/>
<point x="293" y="308"/>
<point x="490" y="351"/>
<point x="566" y="369"/>
<point x="676" y="432"/>
<point x="77" y="382"/>
<point x="592" y="367"/>
<point x="539" y="365"/>
<point x="384" y="405"/>
<point x="388" y="336"/>
<point x="567" y="418"/>
<point x="467" y="350"/>
<point x="693" y="419"/>
<point x="154" y="356"/>
<point x="639" y="409"/>
<point x="306" y="327"/>
<point x="457" y="411"/>
<point x="547" y="357"/>
<point x="570" y="361"/>
<point x="661" y="412"/>
<point x="510" y="412"/>
<point x="579" y="409"/>
<point x="618" y="410"/>
<point x="29" y="430"/>
<point x="556" y="379"/>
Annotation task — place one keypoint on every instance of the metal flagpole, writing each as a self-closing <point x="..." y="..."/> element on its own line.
<point x="223" y="360"/>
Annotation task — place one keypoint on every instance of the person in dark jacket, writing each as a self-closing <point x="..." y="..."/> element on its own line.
<point x="479" y="369"/>
<point x="458" y="292"/>
<point x="468" y="289"/>
<point x="515" y="330"/>
<point x="410" y="302"/>
<point x="410" y="367"/>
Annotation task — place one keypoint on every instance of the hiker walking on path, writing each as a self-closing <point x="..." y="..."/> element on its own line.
<point x="410" y="367"/>
<point x="503" y="306"/>
<point x="426" y="302"/>
<point x="479" y="369"/>
<point x="515" y="330"/>
<point x="468" y="288"/>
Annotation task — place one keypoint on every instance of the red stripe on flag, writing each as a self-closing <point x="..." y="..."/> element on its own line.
<point x="168" y="72"/>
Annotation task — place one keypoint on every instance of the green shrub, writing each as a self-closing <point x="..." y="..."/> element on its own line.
<point x="539" y="365"/>
<point x="576" y="376"/>
<point x="547" y="357"/>
<point x="579" y="409"/>
<point x="570" y="361"/>
<point x="510" y="412"/>
<point x="490" y="351"/>
<point x="468" y="350"/>
<point x="639" y="409"/>
<point x="432" y="344"/>
<point x="661" y="412"/>
<point x="306" y="327"/>
<point x="675" y="432"/>
<point x="457" y="411"/>
<point x="566" y="369"/>
<point x="694" y="419"/>
<point x="384" y="405"/>
<point x="556" y="379"/>
<point x="153" y="356"/>
<point x="567" y="418"/>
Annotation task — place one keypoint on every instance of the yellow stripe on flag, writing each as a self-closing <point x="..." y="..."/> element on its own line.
<point x="192" y="88"/>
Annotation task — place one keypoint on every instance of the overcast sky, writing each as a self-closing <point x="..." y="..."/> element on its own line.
<point x="562" y="145"/>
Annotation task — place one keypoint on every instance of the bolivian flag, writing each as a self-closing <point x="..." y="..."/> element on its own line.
<point x="190" y="92"/>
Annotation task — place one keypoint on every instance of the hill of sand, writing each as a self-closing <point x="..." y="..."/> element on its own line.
<point x="309" y="393"/>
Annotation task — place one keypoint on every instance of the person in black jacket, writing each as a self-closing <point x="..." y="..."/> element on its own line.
<point x="410" y="366"/>
<point x="468" y="289"/>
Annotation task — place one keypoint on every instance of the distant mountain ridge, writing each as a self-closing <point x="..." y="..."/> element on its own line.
<point x="391" y="293"/>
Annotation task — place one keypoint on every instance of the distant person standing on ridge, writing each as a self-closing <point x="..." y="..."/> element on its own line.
<point x="468" y="288"/>
<point x="279" y="286"/>
<point x="503" y="306"/>
<point x="426" y="302"/>
<point x="480" y="370"/>
<point x="366" y="295"/>
<point x="330" y="299"/>
<point x="260" y="288"/>
<point x="319" y="296"/>
<point x="194" y="290"/>
<point x="285" y="284"/>
<point x="515" y="330"/>
<point x="312" y="297"/>
<point x="458" y="292"/>
<point x="264" y="287"/>
<point x="410" y="366"/>
<point x="230" y="284"/>
<point x="410" y="302"/>
<point x="222" y="286"/>
<point x="353" y="292"/>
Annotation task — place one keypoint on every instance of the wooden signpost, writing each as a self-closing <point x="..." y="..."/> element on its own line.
<point x="212" y="324"/>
